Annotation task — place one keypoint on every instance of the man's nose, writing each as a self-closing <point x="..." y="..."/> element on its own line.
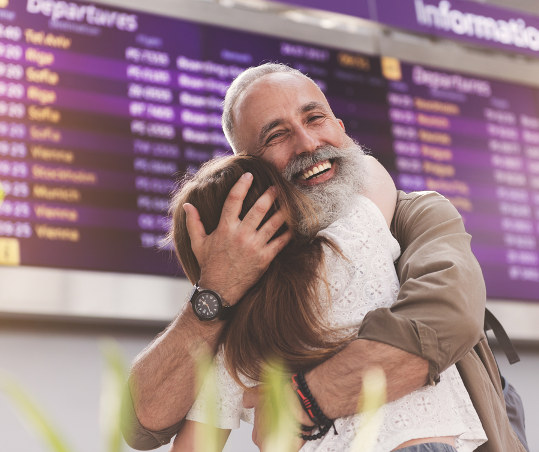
<point x="307" y="141"/>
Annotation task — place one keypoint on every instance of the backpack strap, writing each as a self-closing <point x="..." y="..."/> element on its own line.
<point x="492" y="323"/>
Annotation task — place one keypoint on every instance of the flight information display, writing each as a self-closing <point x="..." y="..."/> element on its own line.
<point x="103" y="109"/>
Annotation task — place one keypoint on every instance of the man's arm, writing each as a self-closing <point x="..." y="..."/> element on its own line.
<point x="162" y="382"/>
<point x="231" y="259"/>
<point x="437" y="319"/>
<point x="439" y="313"/>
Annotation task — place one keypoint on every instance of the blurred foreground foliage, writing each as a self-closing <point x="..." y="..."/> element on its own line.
<point x="112" y="389"/>
<point x="281" y="428"/>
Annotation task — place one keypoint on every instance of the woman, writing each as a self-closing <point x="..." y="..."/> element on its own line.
<point x="310" y="302"/>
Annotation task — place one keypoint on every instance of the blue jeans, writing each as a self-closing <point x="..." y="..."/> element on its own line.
<point x="428" y="447"/>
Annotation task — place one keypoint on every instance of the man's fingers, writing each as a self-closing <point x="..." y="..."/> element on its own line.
<point x="277" y="244"/>
<point x="195" y="228"/>
<point x="234" y="200"/>
<point x="258" y="211"/>
<point x="270" y="227"/>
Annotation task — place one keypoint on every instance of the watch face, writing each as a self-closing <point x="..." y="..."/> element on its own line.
<point x="206" y="305"/>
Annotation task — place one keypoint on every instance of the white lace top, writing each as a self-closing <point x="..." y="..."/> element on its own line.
<point x="366" y="280"/>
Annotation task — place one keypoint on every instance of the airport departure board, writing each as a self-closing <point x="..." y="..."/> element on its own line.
<point x="103" y="109"/>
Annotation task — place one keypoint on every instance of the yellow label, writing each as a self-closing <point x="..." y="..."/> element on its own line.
<point x="391" y="68"/>
<point x="10" y="251"/>
<point x="350" y="60"/>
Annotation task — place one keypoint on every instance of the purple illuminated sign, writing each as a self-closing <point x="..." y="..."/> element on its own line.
<point x="465" y="20"/>
<point x="469" y="21"/>
<point x="99" y="118"/>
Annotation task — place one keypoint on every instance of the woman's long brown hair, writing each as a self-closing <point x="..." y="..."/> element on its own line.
<point x="280" y="317"/>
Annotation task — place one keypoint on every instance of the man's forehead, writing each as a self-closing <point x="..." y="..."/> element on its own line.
<point x="277" y="88"/>
<point x="276" y="95"/>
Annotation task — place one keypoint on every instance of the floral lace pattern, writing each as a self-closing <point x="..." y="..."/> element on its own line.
<point x="365" y="279"/>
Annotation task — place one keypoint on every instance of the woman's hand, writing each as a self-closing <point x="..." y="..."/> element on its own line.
<point x="254" y="398"/>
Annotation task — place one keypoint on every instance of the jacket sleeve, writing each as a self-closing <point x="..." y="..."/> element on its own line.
<point x="136" y="435"/>
<point x="439" y="312"/>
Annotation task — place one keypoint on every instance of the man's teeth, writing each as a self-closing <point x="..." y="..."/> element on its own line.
<point x="316" y="170"/>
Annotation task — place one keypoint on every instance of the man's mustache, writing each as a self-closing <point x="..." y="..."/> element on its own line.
<point x="299" y="163"/>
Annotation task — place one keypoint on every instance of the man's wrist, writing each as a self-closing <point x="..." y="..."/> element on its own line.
<point x="229" y="294"/>
<point x="321" y="387"/>
<point x="297" y="411"/>
<point x="209" y="306"/>
<point x="208" y="332"/>
<point x="318" y="423"/>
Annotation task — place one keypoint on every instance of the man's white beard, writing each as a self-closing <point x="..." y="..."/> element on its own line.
<point x="330" y="198"/>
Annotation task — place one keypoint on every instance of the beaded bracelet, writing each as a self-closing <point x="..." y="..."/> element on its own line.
<point x="311" y="407"/>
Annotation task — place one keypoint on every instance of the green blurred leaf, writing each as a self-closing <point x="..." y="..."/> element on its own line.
<point x="113" y="386"/>
<point x="112" y="389"/>
<point x="373" y="396"/>
<point x="281" y="426"/>
<point x="35" y="418"/>
<point x="207" y="436"/>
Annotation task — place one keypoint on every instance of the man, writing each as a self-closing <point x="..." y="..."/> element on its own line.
<point x="279" y="114"/>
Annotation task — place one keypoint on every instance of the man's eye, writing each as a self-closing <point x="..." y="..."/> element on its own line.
<point x="274" y="136"/>
<point x="314" y="118"/>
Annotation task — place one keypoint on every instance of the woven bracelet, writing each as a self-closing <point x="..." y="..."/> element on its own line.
<point x="311" y="407"/>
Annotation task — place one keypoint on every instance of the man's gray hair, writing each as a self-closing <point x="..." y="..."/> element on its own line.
<point x="238" y="86"/>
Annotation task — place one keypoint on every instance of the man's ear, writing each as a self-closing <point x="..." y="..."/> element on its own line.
<point x="341" y="124"/>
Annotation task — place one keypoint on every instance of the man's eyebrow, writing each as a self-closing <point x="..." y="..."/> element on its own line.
<point x="312" y="106"/>
<point x="266" y="129"/>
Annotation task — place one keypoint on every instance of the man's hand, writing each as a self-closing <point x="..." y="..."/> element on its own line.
<point x="254" y="398"/>
<point x="234" y="256"/>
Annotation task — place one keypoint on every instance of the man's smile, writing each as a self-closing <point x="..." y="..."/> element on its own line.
<point x="317" y="173"/>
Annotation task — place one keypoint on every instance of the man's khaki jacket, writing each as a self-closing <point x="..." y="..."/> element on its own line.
<point x="439" y="312"/>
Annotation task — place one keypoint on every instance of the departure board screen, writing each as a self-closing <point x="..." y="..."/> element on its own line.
<point x="102" y="109"/>
<point x="477" y="142"/>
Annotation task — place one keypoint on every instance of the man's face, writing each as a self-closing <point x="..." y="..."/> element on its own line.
<point x="330" y="199"/>
<point x="282" y="116"/>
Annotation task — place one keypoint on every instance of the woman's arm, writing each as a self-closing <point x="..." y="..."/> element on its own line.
<point x="380" y="188"/>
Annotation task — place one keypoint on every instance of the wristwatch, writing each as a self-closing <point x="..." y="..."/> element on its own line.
<point x="208" y="304"/>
